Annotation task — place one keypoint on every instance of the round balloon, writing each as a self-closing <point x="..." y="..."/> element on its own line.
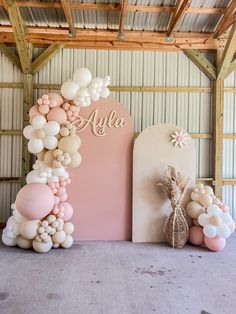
<point x="69" y="89"/>
<point x="57" y="114"/>
<point x="196" y="235"/>
<point x="42" y="247"/>
<point x="35" y="201"/>
<point x="216" y="244"/>
<point x="82" y="77"/>
<point x="68" y="144"/>
<point x="68" y="211"/>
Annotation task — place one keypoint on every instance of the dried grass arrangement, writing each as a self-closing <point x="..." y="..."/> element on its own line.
<point x="173" y="186"/>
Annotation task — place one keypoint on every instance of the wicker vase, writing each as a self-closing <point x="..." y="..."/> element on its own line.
<point x="176" y="228"/>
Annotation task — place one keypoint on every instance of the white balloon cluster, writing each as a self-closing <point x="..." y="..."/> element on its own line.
<point x="82" y="89"/>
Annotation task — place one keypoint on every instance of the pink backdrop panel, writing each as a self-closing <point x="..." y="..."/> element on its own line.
<point x="101" y="187"/>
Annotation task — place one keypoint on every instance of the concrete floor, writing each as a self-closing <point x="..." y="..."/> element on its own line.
<point x="118" y="278"/>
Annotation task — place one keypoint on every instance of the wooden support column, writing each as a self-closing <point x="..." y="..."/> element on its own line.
<point x="218" y="116"/>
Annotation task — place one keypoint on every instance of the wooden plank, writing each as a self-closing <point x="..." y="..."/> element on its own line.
<point x="180" y="9"/>
<point x="218" y="112"/>
<point x="27" y="104"/>
<point x="228" y="54"/>
<point x="69" y="18"/>
<point x="10" y="180"/>
<point x="229" y="182"/>
<point x="122" y="16"/>
<point x="107" y="39"/>
<point x="10" y="132"/>
<point x="45" y="56"/>
<point x="10" y="54"/>
<point x="229" y="136"/>
<point x="227" y="19"/>
<point x="193" y="135"/>
<point x="232" y="67"/>
<point x="18" y="27"/>
<point x="201" y="62"/>
<point x="10" y="85"/>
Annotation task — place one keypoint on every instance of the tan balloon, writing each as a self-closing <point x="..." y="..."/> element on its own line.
<point x="41" y="155"/>
<point x="23" y="243"/>
<point x="194" y="209"/>
<point x="75" y="160"/>
<point x="206" y="200"/>
<point x="68" y="144"/>
<point x="48" y="158"/>
<point x="28" y="229"/>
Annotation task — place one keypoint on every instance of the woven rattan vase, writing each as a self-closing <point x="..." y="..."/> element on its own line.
<point x="176" y="228"/>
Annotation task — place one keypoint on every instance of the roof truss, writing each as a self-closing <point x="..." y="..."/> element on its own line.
<point x="227" y="20"/>
<point x="69" y="18"/>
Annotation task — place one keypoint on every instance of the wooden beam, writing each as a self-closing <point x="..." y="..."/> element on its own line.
<point x="227" y="19"/>
<point x="11" y="55"/>
<point x="10" y="180"/>
<point x="10" y="132"/>
<point x="27" y="104"/>
<point x="232" y="67"/>
<point x="19" y="34"/>
<point x="116" y="7"/>
<point x="201" y="62"/>
<point x="228" y="54"/>
<point x="121" y="33"/>
<point x="45" y="56"/>
<point x="218" y="112"/>
<point x="69" y="18"/>
<point x="180" y="9"/>
<point x="107" y="39"/>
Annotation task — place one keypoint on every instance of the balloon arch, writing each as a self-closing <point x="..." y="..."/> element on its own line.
<point x="41" y="212"/>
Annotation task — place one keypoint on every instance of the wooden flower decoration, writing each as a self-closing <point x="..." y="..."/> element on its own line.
<point x="179" y="138"/>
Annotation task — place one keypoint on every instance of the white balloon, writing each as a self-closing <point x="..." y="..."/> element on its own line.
<point x="203" y="219"/>
<point x="209" y="231"/>
<point x="106" y="80"/>
<point x="69" y="89"/>
<point x="35" y="146"/>
<point x="33" y="176"/>
<point x="226" y="218"/>
<point x="195" y="196"/>
<point x="18" y="217"/>
<point x="38" y="122"/>
<point x="59" y="237"/>
<point x="8" y="241"/>
<point x="60" y="171"/>
<point x="208" y="190"/>
<point x="28" y="132"/>
<point x="50" y="142"/>
<point x="23" y="243"/>
<point x="97" y="82"/>
<point x="83" y="92"/>
<point x="28" y="229"/>
<point x="213" y="210"/>
<point x="223" y="231"/>
<point x="206" y="200"/>
<point x="52" y="128"/>
<point x="67" y="243"/>
<point x="94" y="96"/>
<point x="104" y="92"/>
<point x="82" y="77"/>
<point x="68" y="228"/>
<point x="42" y="247"/>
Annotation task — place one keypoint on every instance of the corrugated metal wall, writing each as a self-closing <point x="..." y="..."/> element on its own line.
<point x="192" y="111"/>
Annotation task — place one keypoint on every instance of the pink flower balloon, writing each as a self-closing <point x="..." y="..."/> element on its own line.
<point x="35" y="201"/>
<point x="196" y="236"/>
<point x="68" y="211"/>
<point x="216" y="244"/>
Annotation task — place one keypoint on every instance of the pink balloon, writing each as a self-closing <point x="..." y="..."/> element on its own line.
<point x="196" y="236"/>
<point x="57" y="114"/>
<point x="35" y="201"/>
<point x="61" y="191"/>
<point x="68" y="211"/>
<point x="55" y="99"/>
<point x="216" y="244"/>
<point x="34" y="111"/>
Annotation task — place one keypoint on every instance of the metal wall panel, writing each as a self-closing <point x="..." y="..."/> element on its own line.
<point x="192" y="111"/>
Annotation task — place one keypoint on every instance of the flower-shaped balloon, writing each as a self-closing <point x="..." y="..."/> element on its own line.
<point x="46" y="102"/>
<point x="203" y="194"/>
<point x="98" y="88"/>
<point x="179" y="138"/>
<point x="83" y="98"/>
<point x="216" y="223"/>
<point x="48" y="227"/>
<point x="41" y="134"/>
<point x="72" y="112"/>
<point x="61" y="158"/>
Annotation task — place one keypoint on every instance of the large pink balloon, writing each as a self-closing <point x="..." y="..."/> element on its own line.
<point x="216" y="244"/>
<point x="34" y="112"/>
<point x="68" y="211"/>
<point x="57" y="114"/>
<point x="35" y="201"/>
<point x="55" y="99"/>
<point x="196" y="236"/>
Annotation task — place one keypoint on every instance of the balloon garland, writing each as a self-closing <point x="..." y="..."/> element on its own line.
<point x="211" y="218"/>
<point x="41" y="212"/>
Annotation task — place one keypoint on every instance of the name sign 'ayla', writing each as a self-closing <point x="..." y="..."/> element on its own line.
<point x="99" y="124"/>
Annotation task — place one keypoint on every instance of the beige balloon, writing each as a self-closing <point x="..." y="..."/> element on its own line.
<point x="194" y="209"/>
<point x="68" y="144"/>
<point x="28" y="229"/>
<point x="41" y="155"/>
<point x="23" y="243"/>
<point x="48" y="158"/>
<point x="75" y="160"/>
<point x="42" y="247"/>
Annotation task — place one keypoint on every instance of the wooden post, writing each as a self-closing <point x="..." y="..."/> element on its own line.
<point x="218" y="117"/>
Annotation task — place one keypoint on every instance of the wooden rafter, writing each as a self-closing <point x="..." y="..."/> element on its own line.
<point x="69" y="18"/>
<point x="228" y="54"/>
<point x="180" y="9"/>
<point x="201" y="62"/>
<point x="10" y="54"/>
<point x="107" y="39"/>
<point x="45" y="56"/>
<point x="232" y="67"/>
<point x="227" y="20"/>
<point x="121" y="33"/>
<point x="19" y="35"/>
